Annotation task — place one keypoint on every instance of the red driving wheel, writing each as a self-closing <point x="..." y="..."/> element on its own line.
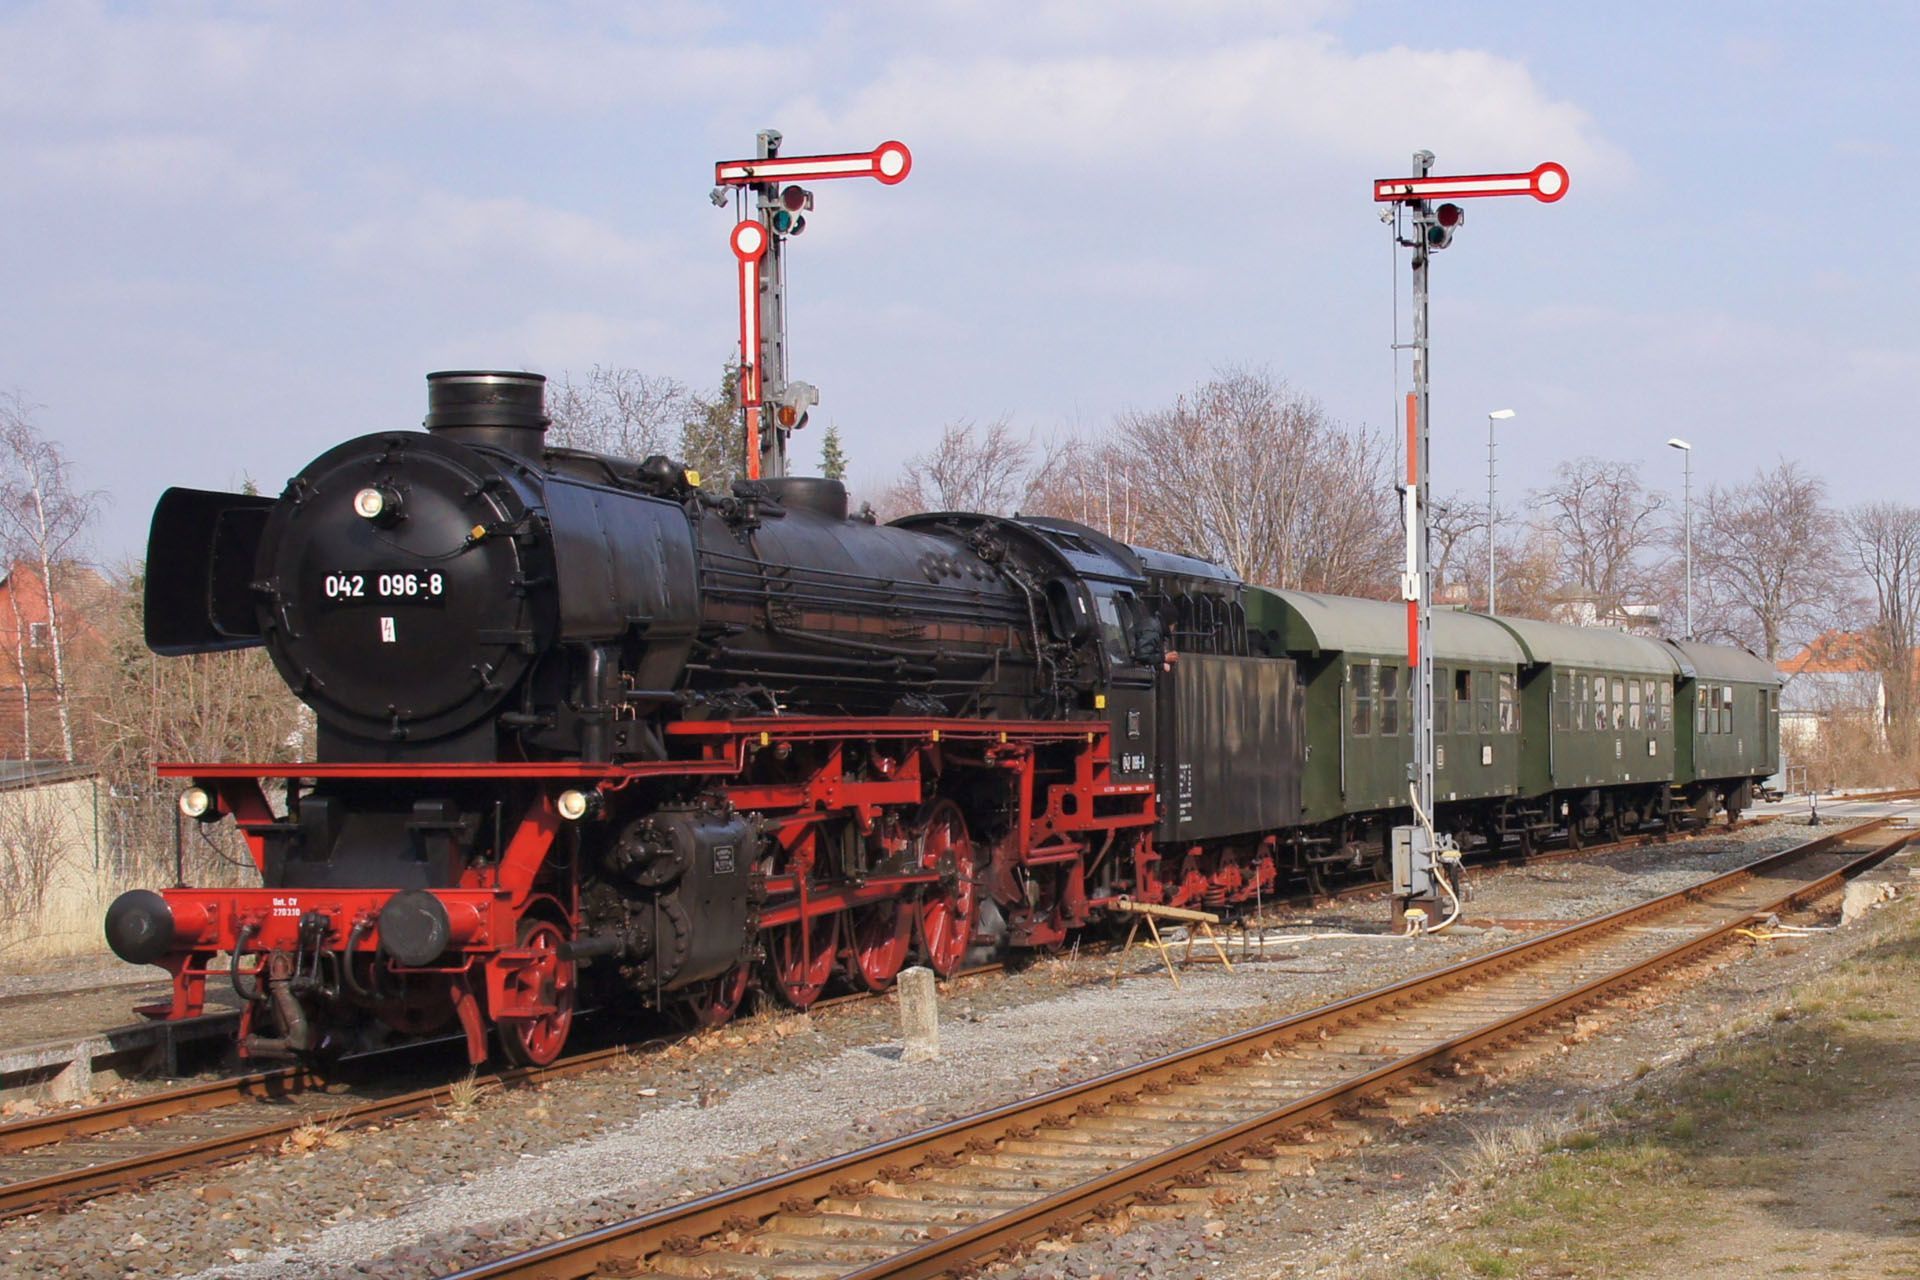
<point x="879" y="935"/>
<point x="799" y="973"/>
<point x="718" y="999"/>
<point x="950" y="909"/>
<point x="537" y="1041"/>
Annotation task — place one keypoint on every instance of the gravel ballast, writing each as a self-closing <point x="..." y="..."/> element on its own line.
<point x="772" y="1092"/>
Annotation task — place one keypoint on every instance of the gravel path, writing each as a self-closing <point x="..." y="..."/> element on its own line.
<point x="769" y="1093"/>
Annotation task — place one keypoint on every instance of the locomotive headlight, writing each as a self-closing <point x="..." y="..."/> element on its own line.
<point x="370" y="503"/>
<point x="195" y="802"/>
<point x="575" y="805"/>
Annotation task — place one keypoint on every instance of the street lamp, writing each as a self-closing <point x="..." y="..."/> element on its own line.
<point x="1498" y="415"/>
<point x="1686" y="451"/>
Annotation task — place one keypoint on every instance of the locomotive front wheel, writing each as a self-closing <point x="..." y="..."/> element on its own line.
<point x="879" y="935"/>
<point x="717" y="1000"/>
<point x="950" y="909"/>
<point x="800" y="974"/>
<point x="537" y="1041"/>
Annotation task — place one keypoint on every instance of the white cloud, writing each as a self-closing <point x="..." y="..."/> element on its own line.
<point x="439" y="232"/>
<point x="161" y="168"/>
<point x="1266" y="98"/>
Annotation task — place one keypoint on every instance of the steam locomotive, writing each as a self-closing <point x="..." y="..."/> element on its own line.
<point x="589" y="733"/>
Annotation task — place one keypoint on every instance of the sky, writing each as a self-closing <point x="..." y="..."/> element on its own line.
<point x="235" y="234"/>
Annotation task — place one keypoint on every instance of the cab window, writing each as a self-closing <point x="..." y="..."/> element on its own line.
<point x="1116" y="625"/>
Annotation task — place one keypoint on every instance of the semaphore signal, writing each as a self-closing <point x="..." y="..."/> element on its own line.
<point x="759" y="239"/>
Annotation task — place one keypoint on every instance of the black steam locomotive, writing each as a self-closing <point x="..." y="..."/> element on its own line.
<point x="580" y="718"/>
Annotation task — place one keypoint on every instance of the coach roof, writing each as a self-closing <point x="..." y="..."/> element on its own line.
<point x="1339" y="624"/>
<point x="1591" y="648"/>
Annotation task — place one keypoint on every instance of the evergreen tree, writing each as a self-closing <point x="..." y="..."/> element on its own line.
<point x="833" y="458"/>
<point x="713" y="441"/>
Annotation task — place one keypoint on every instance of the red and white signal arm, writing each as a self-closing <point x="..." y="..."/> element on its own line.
<point x="1546" y="183"/>
<point x="749" y="242"/>
<point x="888" y="163"/>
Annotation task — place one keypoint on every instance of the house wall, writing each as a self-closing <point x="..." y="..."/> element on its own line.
<point x="53" y="891"/>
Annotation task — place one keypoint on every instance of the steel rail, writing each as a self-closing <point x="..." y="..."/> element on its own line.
<point x="627" y="1245"/>
<point x="71" y="1186"/>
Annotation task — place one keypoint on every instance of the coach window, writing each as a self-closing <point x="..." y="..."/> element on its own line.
<point x="1580" y="702"/>
<point x="1600" y="704"/>
<point x="1361" y="677"/>
<point x="1726" y="709"/>
<point x="1463" y="701"/>
<point x="1483" y="697"/>
<point x="1619" y="721"/>
<point x="1666" y="706"/>
<point x="1389" y="701"/>
<point x="1562" y="705"/>
<point x="1509" y="704"/>
<point x="1633" y="704"/>
<point x="1441" y="703"/>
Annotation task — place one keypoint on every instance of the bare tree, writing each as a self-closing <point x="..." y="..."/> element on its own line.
<point x="990" y="469"/>
<point x="1246" y="471"/>
<point x="30" y="853"/>
<point x="1453" y="524"/>
<point x="622" y="412"/>
<point x="43" y="518"/>
<point x="145" y="708"/>
<point x="1770" y="548"/>
<point x="1883" y="541"/>
<point x="1605" y="522"/>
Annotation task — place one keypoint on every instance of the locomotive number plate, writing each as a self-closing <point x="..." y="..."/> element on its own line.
<point x="384" y="588"/>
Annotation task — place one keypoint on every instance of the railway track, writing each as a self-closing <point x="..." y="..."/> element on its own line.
<point x="933" y="1202"/>
<point x="64" y="1158"/>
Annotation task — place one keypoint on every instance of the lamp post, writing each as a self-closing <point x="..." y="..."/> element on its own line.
<point x="1498" y="415"/>
<point x="1686" y="451"/>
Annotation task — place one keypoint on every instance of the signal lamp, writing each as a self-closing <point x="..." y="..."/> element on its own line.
<point x="796" y="199"/>
<point x="195" y="802"/>
<point x="1446" y="219"/>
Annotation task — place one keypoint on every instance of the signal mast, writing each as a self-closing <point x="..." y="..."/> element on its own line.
<point x="1418" y="852"/>
<point x="773" y="406"/>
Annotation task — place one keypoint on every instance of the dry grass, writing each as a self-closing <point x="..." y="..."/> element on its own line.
<point x="462" y="1095"/>
<point x="1667" y="1160"/>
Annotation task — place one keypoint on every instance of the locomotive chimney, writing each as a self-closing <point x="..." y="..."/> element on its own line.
<point x="506" y="411"/>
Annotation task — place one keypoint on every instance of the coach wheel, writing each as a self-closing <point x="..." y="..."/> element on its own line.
<point x="950" y="908"/>
<point x="718" y="999"/>
<point x="537" y="1041"/>
<point x="1575" y="837"/>
<point x="800" y="972"/>
<point x="879" y="936"/>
